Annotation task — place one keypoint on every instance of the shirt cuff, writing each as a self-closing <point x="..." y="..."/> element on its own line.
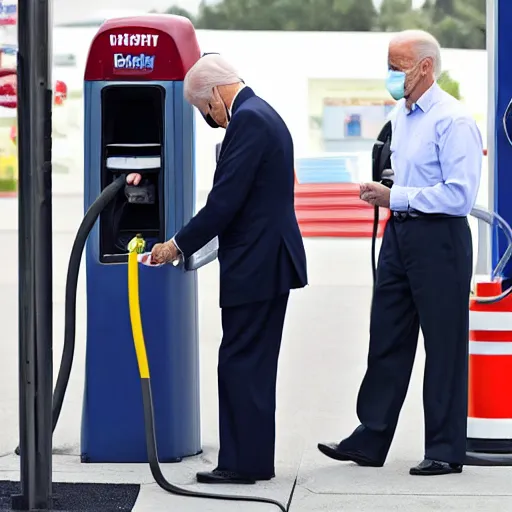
<point x="398" y="199"/>
<point x="180" y="254"/>
<point x="173" y="240"/>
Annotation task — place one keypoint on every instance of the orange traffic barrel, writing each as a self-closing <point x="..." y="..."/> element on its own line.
<point x="489" y="429"/>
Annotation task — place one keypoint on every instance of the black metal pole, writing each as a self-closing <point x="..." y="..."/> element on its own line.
<point x="35" y="254"/>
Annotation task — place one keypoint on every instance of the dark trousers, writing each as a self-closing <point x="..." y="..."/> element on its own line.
<point x="247" y="374"/>
<point x="423" y="280"/>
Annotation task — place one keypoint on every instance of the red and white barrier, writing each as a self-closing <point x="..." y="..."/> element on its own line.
<point x="490" y="374"/>
<point x="335" y="210"/>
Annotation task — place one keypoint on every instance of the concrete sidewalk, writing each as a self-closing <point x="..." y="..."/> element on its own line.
<point x="323" y="361"/>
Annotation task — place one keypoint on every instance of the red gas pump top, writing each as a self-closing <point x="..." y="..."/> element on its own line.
<point x="159" y="47"/>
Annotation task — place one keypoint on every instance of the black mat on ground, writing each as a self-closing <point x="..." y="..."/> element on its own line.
<point x="71" y="497"/>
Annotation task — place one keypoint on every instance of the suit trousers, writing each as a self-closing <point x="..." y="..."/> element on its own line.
<point x="247" y="373"/>
<point x="423" y="280"/>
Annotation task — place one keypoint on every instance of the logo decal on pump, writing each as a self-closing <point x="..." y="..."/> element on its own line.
<point x="150" y="40"/>
<point x="140" y="62"/>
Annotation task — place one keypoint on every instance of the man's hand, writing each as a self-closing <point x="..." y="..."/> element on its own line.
<point x="165" y="253"/>
<point x="133" y="178"/>
<point x="375" y="193"/>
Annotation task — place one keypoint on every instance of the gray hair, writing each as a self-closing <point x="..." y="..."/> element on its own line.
<point x="425" y="44"/>
<point x="208" y="72"/>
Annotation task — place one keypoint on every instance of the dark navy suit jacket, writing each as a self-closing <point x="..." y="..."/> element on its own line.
<point x="251" y="208"/>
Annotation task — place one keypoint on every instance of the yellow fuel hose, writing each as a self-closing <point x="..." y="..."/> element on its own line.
<point x="135" y="247"/>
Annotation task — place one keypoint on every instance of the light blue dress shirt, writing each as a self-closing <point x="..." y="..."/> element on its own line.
<point x="436" y="156"/>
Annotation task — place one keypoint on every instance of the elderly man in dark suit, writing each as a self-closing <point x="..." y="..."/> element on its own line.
<point x="261" y="254"/>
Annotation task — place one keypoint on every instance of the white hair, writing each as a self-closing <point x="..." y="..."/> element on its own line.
<point x="208" y="72"/>
<point x="425" y="44"/>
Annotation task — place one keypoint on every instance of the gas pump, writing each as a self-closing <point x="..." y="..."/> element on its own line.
<point x="137" y="120"/>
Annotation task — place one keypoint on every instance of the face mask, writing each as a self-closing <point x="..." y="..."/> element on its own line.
<point x="395" y="84"/>
<point x="211" y="122"/>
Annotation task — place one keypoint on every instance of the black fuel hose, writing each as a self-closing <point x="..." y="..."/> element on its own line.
<point x="68" y="351"/>
<point x="386" y="180"/>
<point x="156" y="471"/>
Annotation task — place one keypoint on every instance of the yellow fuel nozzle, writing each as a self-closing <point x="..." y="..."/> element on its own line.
<point x="137" y="244"/>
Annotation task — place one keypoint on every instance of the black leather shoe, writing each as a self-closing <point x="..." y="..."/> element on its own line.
<point x="435" y="467"/>
<point x="223" y="477"/>
<point x="333" y="451"/>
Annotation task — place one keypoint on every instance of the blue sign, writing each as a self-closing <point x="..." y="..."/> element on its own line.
<point x="141" y="62"/>
<point x="353" y="126"/>
<point x="8" y="10"/>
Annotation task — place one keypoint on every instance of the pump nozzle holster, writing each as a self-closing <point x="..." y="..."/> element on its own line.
<point x="144" y="193"/>
<point x="381" y="157"/>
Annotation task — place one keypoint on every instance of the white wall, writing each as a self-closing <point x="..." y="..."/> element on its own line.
<point x="278" y="65"/>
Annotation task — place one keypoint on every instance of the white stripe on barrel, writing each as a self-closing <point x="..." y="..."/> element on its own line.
<point x="490" y="321"/>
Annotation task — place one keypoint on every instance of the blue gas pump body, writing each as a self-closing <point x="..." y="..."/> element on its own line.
<point x="499" y="37"/>
<point x="133" y="94"/>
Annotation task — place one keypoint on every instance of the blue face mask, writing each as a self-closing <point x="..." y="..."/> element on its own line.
<point x="395" y="84"/>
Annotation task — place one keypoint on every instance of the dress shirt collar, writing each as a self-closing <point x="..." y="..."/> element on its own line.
<point x="427" y="100"/>
<point x="234" y="98"/>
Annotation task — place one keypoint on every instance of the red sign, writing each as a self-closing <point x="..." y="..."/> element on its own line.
<point x="8" y="94"/>
<point x="153" y="47"/>
<point x="60" y="92"/>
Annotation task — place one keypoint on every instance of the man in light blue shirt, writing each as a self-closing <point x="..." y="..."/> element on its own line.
<point x="436" y="156"/>
<point x="425" y="266"/>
